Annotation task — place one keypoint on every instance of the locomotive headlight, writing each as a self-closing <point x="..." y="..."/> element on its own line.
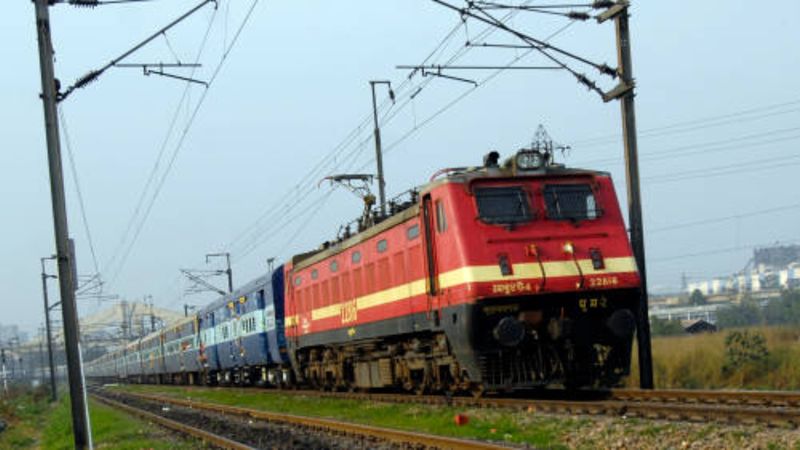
<point x="529" y="160"/>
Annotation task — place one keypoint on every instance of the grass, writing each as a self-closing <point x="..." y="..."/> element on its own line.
<point x="111" y="429"/>
<point x="483" y="424"/>
<point x="35" y="423"/>
<point x="23" y="411"/>
<point x="519" y="427"/>
<point x="696" y="362"/>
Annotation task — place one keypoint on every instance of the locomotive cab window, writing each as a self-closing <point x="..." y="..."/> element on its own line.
<point x="570" y="202"/>
<point x="503" y="205"/>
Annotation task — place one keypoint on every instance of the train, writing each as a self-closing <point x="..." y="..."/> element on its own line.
<point x="504" y="276"/>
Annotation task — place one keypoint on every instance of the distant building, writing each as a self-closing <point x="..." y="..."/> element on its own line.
<point x="769" y="269"/>
<point x="10" y="333"/>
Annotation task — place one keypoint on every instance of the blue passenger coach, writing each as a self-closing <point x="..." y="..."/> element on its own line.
<point x="242" y="338"/>
<point x="181" y="356"/>
<point x="237" y="339"/>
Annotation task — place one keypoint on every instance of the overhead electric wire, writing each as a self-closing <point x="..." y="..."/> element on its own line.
<point x="287" y="220"/>
<point x="81" y="203"/>
<point x="706" y="147"/>
<point x="276" y="225"/>
<point x="748" y="166"/>
<point x="252" y="232"/>
<point x="304" y="224"/>
<point x="721" y="251"/>
<point x="135" y="216"/>
<point x="307" y="182"/>
<point x="463" y="95"/>
<point x="186" y="129"/>
<point x="695" y="124"/>
<point x="723" y="219"/>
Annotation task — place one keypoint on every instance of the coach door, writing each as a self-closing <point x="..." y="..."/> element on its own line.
<point x="430" y="258"/>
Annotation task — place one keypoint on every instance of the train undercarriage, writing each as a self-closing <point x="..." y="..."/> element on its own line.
<point x="493" y="346"/>
<point x="516" y="343"/>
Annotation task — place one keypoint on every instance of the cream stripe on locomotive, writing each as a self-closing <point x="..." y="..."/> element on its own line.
<point x="552" y="269"/>
<point x="477" y="274"/>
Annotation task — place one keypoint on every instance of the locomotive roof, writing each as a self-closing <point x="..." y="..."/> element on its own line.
<point x="459" y="175"/>
<point x="306" y="259"/>
<point x="469" y="174"/>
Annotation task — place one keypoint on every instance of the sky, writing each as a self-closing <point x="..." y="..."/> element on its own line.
<point x="169" y="171"/>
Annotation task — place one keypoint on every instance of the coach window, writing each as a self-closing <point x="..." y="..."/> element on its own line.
<point x="412" y="232"/>
<point x="334" y="266"/>
<point x="297" y="280"/>
<point x="260" y="299"/>
<point x="356" y="257"/>
<point x="382" y="245"/>
<point x="314" y="274"/>
<point x="441" y="219"/>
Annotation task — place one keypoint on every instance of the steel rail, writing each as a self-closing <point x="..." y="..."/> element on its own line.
<point x="778" y="398"/>
<point x="767" y="407"/>
<point x="730" y="397"/>
<point x="349" y="428"/>
<point x="206" y="436"/>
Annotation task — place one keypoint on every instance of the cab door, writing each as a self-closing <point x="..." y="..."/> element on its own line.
<point x="431" y="269"/>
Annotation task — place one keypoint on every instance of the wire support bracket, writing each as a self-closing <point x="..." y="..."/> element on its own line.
<point x="158" y="69"/>
<point x="95" y="74"/>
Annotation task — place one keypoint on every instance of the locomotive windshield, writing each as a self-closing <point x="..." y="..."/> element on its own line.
<point x="504" y="205"/>
<point x="570" y="202"/>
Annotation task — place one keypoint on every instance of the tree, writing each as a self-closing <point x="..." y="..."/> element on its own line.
<point x="785" y="310"/>
<point x="664" y="327"/>
<point x="697" y="298"/>
<point x="745" y="314"/>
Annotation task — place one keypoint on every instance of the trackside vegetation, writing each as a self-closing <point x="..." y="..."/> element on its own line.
<point x="111" y="429"/>
<point x="760" y="357"/>
<point x="536" y="430"/>
<point x="32" y="422"/>
<point x="22" y="413"/>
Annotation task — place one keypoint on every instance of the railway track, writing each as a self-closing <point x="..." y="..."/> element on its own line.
<point x="367" y="436"/>
<point x="765" y="398"/>
<point x="771" y="408"/>
<point x="746" y="407"/>
<point x="182" y="428"/>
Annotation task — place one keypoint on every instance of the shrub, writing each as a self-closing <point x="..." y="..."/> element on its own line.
<point x="745" y="314"/>
<point x="745" y="351"/>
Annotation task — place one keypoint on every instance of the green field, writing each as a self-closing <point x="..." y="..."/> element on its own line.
<point x="37" y="424"/>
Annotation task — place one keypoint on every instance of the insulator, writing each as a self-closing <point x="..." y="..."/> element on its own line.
<point x="585" y="81"/>
<point x="86" y="79"/>
<point x="575" y="15"/>
<point x="610" y="71"/>
<point x="84" y="3"/>
<point x="603" y="4"/>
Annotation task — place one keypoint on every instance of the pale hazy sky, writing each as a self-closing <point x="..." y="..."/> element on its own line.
<point x="718" y="110"/>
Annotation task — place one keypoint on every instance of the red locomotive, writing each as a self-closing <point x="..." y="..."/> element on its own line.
<point x="498" y="277"/>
